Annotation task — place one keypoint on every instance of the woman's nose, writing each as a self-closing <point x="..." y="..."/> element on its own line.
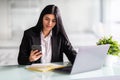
<point x="50" y="22"/>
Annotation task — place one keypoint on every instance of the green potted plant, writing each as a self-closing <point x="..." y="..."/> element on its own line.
<point x="114" y="45"/>
<point x="114" y="50"/>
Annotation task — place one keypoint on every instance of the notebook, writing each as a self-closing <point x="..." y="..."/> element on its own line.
<point x="88" y="58"/>
<point x="43" y="67"/>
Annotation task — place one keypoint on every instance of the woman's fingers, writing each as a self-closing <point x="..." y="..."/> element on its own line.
<point x="35" y="55"/>
<point x="38" y="53"/>
<point x="34" y="52"/>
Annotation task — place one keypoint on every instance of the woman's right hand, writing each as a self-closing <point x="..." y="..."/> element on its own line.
<point x="35" y="55"/>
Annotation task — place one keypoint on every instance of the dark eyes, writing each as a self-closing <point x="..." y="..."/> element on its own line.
<point x="53" y="20"/>
<point x="49" y="19"/>
<point x="46" y="18"/>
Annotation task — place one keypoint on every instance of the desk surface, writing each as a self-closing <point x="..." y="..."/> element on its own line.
<point x="16" y="72"/>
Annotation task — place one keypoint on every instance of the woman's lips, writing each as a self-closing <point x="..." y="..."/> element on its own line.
<point x="48" y="26"/>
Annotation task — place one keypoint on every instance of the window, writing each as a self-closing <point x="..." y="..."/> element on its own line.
<point x="111" y="16"/>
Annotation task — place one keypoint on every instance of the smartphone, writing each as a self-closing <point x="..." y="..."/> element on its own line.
<point x="36" y="47"/>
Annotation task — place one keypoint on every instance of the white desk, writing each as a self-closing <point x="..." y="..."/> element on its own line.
<point x="17" y="72"/>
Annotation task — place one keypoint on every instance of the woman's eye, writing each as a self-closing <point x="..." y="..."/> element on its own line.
<point x="46" y="19"/>
<point x="54" y="21"/>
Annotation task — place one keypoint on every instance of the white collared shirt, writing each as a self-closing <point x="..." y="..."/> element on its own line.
<point x="46" y="48"/>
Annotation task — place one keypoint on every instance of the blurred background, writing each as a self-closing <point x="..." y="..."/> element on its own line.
<point x="85" y="22"/>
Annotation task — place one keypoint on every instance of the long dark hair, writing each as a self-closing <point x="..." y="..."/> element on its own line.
<point x="58" y="28"/>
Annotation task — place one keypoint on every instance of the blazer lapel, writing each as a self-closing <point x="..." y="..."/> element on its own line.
<point x="54" y="48"/>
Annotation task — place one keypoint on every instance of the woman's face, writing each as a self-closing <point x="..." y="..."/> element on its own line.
<point x="49" y="22"/>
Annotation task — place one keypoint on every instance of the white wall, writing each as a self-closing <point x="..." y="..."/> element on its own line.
<point x="77" y="15"/>
<point x="5" y="30"/>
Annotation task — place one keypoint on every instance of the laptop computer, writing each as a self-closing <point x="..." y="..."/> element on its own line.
<point x="88" y="58"/>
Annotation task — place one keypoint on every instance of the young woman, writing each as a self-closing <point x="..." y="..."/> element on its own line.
<point x="50" y="34"/>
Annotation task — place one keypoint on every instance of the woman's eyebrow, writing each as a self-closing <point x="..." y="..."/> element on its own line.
<point x="49" y="18"/>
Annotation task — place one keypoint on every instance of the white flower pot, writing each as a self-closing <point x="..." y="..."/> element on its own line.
<point x="111" y="59"/>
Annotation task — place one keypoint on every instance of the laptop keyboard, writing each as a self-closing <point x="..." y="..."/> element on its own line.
<point x="66" y="69"/>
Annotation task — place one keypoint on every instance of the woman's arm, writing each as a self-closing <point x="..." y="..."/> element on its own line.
<point x="24" y="51"/>
<point x="69" y="50"/>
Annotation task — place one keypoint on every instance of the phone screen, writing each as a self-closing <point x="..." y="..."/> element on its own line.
<point x="36" y="47"/>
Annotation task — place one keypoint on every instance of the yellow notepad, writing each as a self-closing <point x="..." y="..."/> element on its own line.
<point x="43" y="67"/>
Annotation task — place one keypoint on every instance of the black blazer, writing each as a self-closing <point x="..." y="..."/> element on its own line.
<point x="59" y="44"/>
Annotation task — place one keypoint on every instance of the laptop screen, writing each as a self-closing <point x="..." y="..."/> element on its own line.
<point x="89" y="58"/>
